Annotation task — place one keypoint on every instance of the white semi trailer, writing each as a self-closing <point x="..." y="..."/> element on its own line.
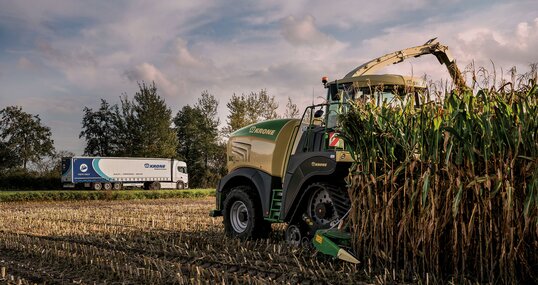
<point x="117" y="172"/>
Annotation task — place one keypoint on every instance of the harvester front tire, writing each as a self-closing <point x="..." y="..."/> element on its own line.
<point x="243" y="215"/>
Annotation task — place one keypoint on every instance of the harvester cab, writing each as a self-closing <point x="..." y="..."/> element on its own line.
<point x="294" y="171"/>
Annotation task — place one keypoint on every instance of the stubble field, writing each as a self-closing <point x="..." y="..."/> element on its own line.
<point x="166" y="241"/>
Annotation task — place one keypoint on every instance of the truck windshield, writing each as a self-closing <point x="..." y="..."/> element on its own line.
<point x="66" y="164"/>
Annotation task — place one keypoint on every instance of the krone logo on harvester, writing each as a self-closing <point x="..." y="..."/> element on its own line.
<point x="261" y="131"/>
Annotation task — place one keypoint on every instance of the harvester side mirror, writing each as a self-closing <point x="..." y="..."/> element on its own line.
<point x="318" y="114"/>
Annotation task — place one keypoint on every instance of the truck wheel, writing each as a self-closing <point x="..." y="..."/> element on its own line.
<point x="155" y="185"/>
<point x="97" y="186"/>
<point x="243" y="215"/>
<point x="107" y="186"/>
<point x="117" y="186"/>
<point x="180" y="185"/>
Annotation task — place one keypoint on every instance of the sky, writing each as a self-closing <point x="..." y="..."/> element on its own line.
<point x="56" y="57"/>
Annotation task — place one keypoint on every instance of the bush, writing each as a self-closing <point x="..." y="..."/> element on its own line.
<point x="29" y="181"/>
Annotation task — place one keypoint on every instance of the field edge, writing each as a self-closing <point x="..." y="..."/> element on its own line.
<point x="70" y="195"/>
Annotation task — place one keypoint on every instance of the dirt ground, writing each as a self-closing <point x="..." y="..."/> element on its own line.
<point x="171" y="241"/>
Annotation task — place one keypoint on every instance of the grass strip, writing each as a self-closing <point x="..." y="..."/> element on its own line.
<point x="65" y="195"/>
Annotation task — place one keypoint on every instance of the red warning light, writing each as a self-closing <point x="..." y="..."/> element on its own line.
<point x="324" y="79"/>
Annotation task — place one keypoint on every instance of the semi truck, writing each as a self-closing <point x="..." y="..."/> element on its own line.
<point x="294" y="171"/>
<point x="115" y="173"/>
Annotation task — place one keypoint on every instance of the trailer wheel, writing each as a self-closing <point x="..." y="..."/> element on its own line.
<point x="97" y="186"/>
<point x="180" y="185"/>
<point x="117" y="186"/>
<point x="155" y="185"/>
<point x="243" y="215"/>
<point x="107" y="186"/>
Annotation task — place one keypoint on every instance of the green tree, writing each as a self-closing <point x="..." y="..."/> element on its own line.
<point x="266" y="106"/>
<point x="8" y="159"/>
<point x="99" y="130"/>
<point x="141" y="127"/>
<point x="24" y="136"/>
<point x="237" y="116"/>
<point x="291" y="110"/>
<point x="199" y="145"/>
<point x="188" y="124"/>
<point x="52" y="165"/>
<point x="207" y="104"/>
<point x="126" y="126"/>
<point x="155" y="135"/>
<point x="248" y="109"/>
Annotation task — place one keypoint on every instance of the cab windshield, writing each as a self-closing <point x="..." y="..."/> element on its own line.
<point x="341" y="94"/>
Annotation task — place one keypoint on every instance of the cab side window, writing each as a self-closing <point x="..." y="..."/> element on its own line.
<point x="182" y="169"/>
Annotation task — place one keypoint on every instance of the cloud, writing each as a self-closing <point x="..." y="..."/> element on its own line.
<point x="149" y="73"/>
<point x="516" y="46"/>
<point x="472" y="37"/>
<point x="86" y="50"/>
<point x="61" y="104"/>
<point x="67" y="57"/>
<point x="303" y="31"/>
<point x="185" y="58"/>
<point x="24" y="63"/>
<point x="346" y="14"/>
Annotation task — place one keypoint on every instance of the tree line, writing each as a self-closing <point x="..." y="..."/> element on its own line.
<point x="144" y="126"/>
<point x="28" y="159"/>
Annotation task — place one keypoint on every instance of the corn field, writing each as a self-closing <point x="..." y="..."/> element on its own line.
<point x="171" y="241"/>
<point x="448" y="191"/>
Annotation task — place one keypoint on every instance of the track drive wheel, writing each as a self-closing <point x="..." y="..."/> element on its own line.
<point x="326" y="204"/>
<point x="243" y="215"/>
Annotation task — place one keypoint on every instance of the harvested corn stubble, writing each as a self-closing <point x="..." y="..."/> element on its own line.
<point x="171" y="241"/>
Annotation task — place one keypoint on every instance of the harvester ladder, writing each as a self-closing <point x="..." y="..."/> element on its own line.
<point x="276" y="205"/>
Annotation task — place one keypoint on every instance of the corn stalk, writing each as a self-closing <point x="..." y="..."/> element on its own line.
<point x="449" y="190"/>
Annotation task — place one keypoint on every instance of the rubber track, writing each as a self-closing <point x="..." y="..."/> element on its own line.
<point x="340" y="199"/>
